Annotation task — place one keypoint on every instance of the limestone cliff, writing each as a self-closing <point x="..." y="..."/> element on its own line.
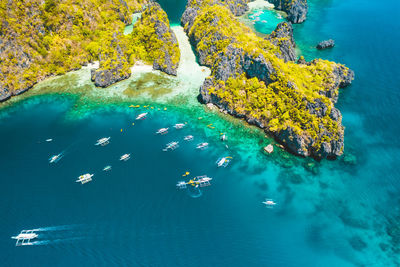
<point x="39" y="38"/>
<point x="295" y="9"/>
<point x="257" y="79"/>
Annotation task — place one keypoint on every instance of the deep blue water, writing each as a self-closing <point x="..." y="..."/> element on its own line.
<point x="134" y="215"/>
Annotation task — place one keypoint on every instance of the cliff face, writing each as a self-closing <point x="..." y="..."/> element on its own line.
<point x="151" y="41"/>
<point x="153" y="34"/>
<point x="295" y="9"/>
<point x="282" y="37"/>
<point x="256" y="79"/>
<point x="113" y="63"/>
<point x="41" y="38"/>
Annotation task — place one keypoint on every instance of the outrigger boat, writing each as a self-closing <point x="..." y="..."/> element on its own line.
<point x="162" y="131"/>
<point x="201" y="181"/>
<point x="107" y="168"/>
<point x="269" y="203"/>
<point x="85" y="178"/>
<point x="179" y="125"/>
<point x="24" y="238"/>
<point x="171" y="146"/>
<point x="223" y="162"/>
<point x="103" y="141"/>
<point x="188" y="138"/>
<point x="141" y="116"/>
<point x="198" y="181"/>
<point x="125" y="157"/>
<point x="55" y="158"/>
<point x="202" y="146"/>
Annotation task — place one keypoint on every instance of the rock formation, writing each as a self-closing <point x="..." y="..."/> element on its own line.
<point x="114" y="66"/>
<point x="326" y="44"/>
<point x="256" y="79"/>
<point x="282" y="37"/>
<point x="43" y="38"/>
<point x="295" y="9"/>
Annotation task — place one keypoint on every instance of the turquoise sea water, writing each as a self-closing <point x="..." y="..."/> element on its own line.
<point x="342" y="213"/>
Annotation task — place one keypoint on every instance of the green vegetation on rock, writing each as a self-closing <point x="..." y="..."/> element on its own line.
<point x="294" y="102"/>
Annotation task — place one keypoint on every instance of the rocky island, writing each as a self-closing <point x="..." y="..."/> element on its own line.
<point x="254" y="78"/>
<point x="326" y="44"/>
<point x="58" y="36"/>
<point x="257" y="79"/>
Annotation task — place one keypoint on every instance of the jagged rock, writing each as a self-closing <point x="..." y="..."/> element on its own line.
<point x="237" y="7"/>
<point x="104" y="78"/>
<point x="282" y="37"/>
<point x="295" y="9"/>
<point x="113" y="66"/>
<point x="165" y="62"/>
<point x="326" y="44"/>
<point x="320" y="135"/>
<point x="4" y="94"/>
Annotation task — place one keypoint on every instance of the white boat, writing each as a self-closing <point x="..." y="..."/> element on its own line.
<point x="162" y="131"/>
<point x="107" y="168"/>
<point x="279" y="16"/>
<point x="125" y="157"/>
<point x="202" y="146"/>
<point x="179" y="125"/>
<point x="84" y="178"/>
<point x="24" y="238"/>
<point x="171" y="146"/>
<point x="200" y="181"/>
<point x="223" y="162"/>
<point x="141" y="116"/>
<point x="103" y="141"/>
<point x="49" y="140"/>
<point x="224" y="137"/>
<point x="269" y="203"/>
<point x="188" y="138"/>
<point x="55" y="158"/>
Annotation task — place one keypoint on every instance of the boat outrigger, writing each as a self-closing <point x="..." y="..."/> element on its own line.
<point x="125" y="157"/>
<point x="162" y="131"/>
<point x="141" y="116"/>
<point x="107" y="168"/>
<point x="24" y="238"/>
<point x="55" y="158"/>
<point x="188" y="138"/>
<point x="223" y="162"/>
<point x="171" y="146"/>
<point x="270" y="203"/>
<point x="202" y="146"/>
<point x="181" y="185"/>
<point x="179" y="125"/>
<point x="84" y="178"/>
<point x="103" y="141"/>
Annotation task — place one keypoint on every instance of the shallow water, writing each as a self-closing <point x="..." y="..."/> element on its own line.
<point x="328" y="213"/>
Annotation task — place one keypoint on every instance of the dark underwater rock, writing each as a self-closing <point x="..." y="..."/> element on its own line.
<point x="295" y="9"/>
<point x="357" y="243"/>
<point x="326" y="44"/>
<point x="282" y="37"/>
